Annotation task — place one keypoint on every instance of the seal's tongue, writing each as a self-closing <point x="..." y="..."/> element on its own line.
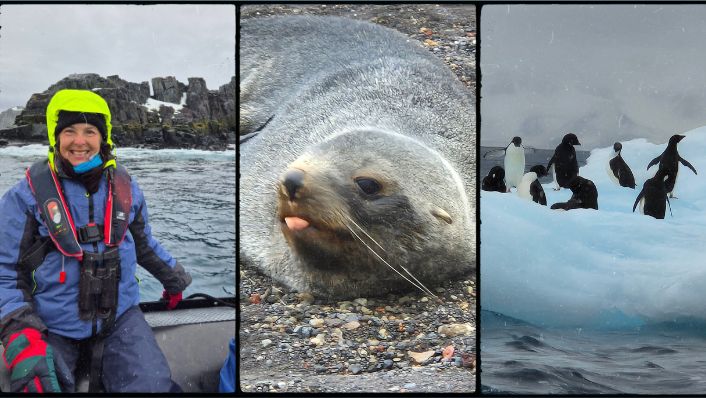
<point x="296" y="223"/>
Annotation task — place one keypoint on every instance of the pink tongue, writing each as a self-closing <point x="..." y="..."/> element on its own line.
<point x="296" y="223"/>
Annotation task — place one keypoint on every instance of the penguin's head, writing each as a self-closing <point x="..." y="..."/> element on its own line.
<point x="676" y="138"/>
<point x="617" y="147"/>
<point x="497" y="173"/>
<point x="570" y="139"/>
<point x="539" y="169"/>
<point x="517" y="141"/>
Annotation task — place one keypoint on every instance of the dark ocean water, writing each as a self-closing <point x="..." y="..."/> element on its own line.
<point x="191" y="202"/>
<point x="521" y="358"/>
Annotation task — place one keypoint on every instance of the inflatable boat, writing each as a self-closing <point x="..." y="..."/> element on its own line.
<point x="180" y="334"/>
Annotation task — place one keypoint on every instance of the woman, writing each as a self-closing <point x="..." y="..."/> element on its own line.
<point x="72" y="234"/>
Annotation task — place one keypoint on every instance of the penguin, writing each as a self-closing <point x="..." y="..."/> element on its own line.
<point x="495" y="180"/>
<point x="530" y="188"/>
<point x="669" y="161"/>
<point x="653" y="195"/>
<point x="514" y="163"/>
<point x="618" y="170"/>
<point x="584" y="195"/>
<point x="564" y="161"/>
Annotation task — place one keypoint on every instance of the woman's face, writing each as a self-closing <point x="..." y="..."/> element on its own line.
<point x="79" y="142"/>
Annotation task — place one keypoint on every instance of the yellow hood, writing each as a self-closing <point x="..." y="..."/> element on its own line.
<point x="75" y="101"/>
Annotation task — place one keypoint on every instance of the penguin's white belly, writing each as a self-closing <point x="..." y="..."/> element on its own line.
<point x="556" y="184"/>
<point x="676" y="180"/>
<point x="610" y="172"/>
<point x="514" y="165"/>
<point x="523" y="188"/>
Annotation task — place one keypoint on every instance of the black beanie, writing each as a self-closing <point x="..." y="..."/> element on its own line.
<point x="67" y="118"/>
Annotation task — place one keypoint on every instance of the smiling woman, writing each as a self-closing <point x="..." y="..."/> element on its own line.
<point x="78" y="143"/>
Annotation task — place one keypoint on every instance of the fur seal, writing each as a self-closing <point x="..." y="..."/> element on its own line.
<point x="584" y="195"/>
<point x="653" y="198"/>
<point x="618" y="170"/>
<point x="530" y="188"/>
<point x="495" y="180"/>
<point x="363" y="161"/>
<point x="564" y="161"/>
<point x="669" y="162"/>
<point x="514" y="162"/>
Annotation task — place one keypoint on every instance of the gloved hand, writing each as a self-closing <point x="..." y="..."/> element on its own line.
<point x="172" y="299"/>
<point x="31" y="363"/>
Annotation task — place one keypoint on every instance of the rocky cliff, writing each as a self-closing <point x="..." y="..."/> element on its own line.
<point x="7" y="117"/>
<point x="176" y="115"/>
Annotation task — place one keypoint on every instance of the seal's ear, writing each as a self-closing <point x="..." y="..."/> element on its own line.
<point x="441" y="214"/>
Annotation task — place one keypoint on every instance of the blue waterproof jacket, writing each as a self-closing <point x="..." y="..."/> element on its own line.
<point x="39" y="300"/>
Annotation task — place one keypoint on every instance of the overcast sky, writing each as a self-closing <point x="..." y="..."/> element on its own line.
<point x="605" y="72"/>
<point x="41" y="44"/>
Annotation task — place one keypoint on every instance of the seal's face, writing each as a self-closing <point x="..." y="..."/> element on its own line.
<point x="357" y="208"/>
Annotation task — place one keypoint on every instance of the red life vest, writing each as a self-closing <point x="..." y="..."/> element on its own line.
<point x="47" y="191"/>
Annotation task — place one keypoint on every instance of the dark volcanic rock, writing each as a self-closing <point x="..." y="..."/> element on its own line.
<point x="168" y="89"/>
<point x="206" y="121"/>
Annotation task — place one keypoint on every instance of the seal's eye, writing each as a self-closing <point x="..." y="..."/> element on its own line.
<point x="368" y="185"/>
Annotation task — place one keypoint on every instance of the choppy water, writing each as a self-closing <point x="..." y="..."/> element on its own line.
<point x="520" y="358"/>
<point x="191" y="202"/>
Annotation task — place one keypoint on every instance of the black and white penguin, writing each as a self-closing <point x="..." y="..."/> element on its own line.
<point x="584" y="195"/>
<point x="564" y="161"/>
<point x="669" y="162"/>
<point x="653" y="198"/>
<point x="618" y="170"/>
<point x="514" y="162"/>
<point x="495" y="180"/>
<point x="530" y="188"/>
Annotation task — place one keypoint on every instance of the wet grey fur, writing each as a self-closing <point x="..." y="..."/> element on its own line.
<point x="304" y="79"/>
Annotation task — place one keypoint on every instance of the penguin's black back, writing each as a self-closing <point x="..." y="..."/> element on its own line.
<point x="565" y="164"/>
<point x="655" y="198"/>
<point x="537" y="193"/>
<point x="495" y="180"/>
<point x="622" y="172"/>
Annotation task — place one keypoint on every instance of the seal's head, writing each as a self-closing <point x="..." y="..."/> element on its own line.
<point x="361" y="207"/>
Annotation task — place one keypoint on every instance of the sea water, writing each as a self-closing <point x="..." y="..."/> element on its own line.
<point x="596" y="301"/>
<point x="190" y="198"/>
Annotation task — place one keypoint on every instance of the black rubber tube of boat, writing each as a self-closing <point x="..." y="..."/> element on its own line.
<point x="196" y="300"/>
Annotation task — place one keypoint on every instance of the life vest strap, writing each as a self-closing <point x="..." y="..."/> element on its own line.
<point x="53" y="208"/>
<point x="56" y="215"/>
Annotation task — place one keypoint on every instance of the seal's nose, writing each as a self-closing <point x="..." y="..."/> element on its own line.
<point x="293" y="181"/>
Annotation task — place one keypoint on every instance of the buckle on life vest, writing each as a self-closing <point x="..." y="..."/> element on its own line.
<point x="90" y="233"/>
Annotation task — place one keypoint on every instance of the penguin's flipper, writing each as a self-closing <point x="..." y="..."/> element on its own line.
<point x="687" y="164"/>
<point x="494" y="153"/>
<point x="550" y="162"/>
<point x="654" y="161"/>
<point x="639" y="196"/>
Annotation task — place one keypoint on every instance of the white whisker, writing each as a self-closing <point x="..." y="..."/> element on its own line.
<point x="363" y="231"/>
<point x="419" y="286"/>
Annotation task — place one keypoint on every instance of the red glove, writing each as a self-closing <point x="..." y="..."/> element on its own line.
<point x="30" y="361"/>
<point x="172" y="299"/>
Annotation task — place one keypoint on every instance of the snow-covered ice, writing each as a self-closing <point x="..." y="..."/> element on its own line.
<point x="600" y="268"/>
